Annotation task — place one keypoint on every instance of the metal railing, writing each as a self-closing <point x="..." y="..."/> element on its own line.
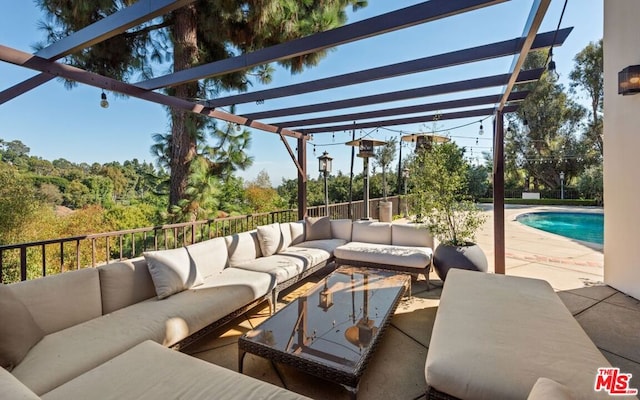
<point x="35" y="259"/>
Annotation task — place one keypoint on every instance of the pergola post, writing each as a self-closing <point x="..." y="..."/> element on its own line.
<point x="302" y="177"/>
<point x="498" y="193"/>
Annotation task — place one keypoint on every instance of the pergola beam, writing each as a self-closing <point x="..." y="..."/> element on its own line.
<point x="445" y="88"/>
<point x="388" y="112"/>
<point x="28" y="60"/>
<point x="403" y="18"/>
<point x="459" y="57"/>
<point x="97" y="32"/>
<point x="408" y="120"/>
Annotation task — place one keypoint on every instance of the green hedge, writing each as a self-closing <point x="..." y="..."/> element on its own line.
<point x="544" y="202"/>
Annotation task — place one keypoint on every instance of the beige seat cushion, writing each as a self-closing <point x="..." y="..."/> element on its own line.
<point x="411" y="235"/>
<point x="149" y="371"/>
<point x="12" y="388"/>
<point x="211" y="256"/>
<point x="172" y="271"/>
<point x="243" y="247"/>
<point x="341" y="229"/>
<point x="18" y="330"/>
<point x="270" y="239"/>
<point x="125" y="283"/>
<point x="548" y="389"/>
<point x="371" y="232"/>
<point x="495" y="335"/>
<point x="58" y="358"/>
<point x="280" y="266"/>
<point x="59" y="301"/>
<point x="318" y="228"/>
<point x="403" y="256"/>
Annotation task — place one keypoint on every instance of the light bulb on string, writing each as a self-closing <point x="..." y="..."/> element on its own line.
<point x="103" y="100"/>
<point x="509" y="133"/>
<point x="481" y="130"/>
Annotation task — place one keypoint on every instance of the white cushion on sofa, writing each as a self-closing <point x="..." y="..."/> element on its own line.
<point x="371" y="232"/>
<point x="172" y="271"/>
<point x="64" y="355"/>
<point x="211" y="256"/>
<point x="125" y="283"/>
<point x="12" y="388"/>
<point x="527" y="333"/>
<point x="341" y="229"/>
<point x="298" y="230"/>
<point x="285" y="231"/>
<point x="269" y="238"/>
<point x="280" y="266"/>
<point x="546" y="389"/>
<point x="243" y="247"/>
<point x="411" y="235"/>
<point x="59" y="301"/>
<point x="150" y="371"/>
<point x="404" y="256"/>
<point x="18" y="330"/>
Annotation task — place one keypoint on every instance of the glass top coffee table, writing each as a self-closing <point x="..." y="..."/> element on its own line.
<point x="332" y="330"/>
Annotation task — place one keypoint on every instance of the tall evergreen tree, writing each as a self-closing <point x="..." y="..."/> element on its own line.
<point x="199" y="33"/>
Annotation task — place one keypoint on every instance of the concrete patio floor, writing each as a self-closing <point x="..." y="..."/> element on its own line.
<point x="396" y="371"/>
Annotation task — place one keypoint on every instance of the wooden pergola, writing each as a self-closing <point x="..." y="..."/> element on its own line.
<point x="504" y="100"/>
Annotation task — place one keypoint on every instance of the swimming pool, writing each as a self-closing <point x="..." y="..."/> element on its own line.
<point x="581" y="226"/>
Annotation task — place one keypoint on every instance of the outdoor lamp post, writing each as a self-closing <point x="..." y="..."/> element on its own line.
<point x="562" y="185"/>
<point x="365" y="150"/>
<point x="324" y="166"/>
<point x="405" y="177"/>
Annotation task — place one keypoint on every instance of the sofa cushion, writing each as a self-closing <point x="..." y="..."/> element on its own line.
<point x="328" y="245"/>
<point x="59" y="301"/>
<point x="341" y="229"/>
<point x="18" y="330"/>
<point x="298" y="231"/>
<point x="61" y="356"/>
<point x="309" y="255"/>
<point x="403" y="256"/>
<point x="285" y="230"/>
<point x="172" y="271"/>
<point x="124" y="283"/>
<point x="318" y="228"/>
<point x="526" y="330"/>
<point x="243" y="247"/>
<point x="280" y="266"/>
<point x="546" y="389"/>
<point x="411" y="235"/>
<point x="211" y="256"/>
<point x="12" y="388"/>
<point x="269" y="238"/>
<point x="371" y="232"/>
<point x="150" y="371"/>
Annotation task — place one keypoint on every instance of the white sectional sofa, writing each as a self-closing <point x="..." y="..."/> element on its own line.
<point x="507" y="337"/>
<point x="62" y="334"/>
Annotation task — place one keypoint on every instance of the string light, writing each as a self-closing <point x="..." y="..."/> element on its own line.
<point x="103" y="100"/>
<point x="481" y="130"/>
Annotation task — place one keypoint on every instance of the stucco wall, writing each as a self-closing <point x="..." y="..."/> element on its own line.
<point x="621" y="149"/>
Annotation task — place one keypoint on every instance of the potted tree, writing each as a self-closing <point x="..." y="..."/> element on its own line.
<point x="440" y="200"/>
<point x="384" y="156"/>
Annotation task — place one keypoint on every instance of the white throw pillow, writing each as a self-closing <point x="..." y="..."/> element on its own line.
<point x="285" y="230"/>
<point x="269" y="238"/>
<point x="210" y="256"/>
<point x="172" y="271"/>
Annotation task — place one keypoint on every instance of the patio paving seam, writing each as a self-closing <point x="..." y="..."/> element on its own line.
<point x="594" y="304"/>
<point x="409" y="336"/>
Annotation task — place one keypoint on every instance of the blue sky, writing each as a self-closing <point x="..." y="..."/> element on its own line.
<point x="59" y="123"/>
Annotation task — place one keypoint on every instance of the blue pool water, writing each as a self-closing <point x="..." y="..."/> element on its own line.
<point x="581" y="226"/>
